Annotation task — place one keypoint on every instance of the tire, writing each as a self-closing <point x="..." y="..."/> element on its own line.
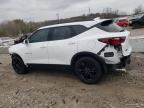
<point x="88" y="70"/>
<point x="18" y="65"/>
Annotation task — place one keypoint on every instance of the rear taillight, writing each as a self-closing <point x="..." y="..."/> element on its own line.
<point x="113" y="41"/>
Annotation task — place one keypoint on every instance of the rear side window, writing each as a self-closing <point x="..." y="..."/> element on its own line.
<point x="60" y="33"/>
<point x="78" y="29"/>
<point x="109" y="26"/>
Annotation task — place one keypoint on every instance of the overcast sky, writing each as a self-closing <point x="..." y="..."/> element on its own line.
<point x="39" y="10"/>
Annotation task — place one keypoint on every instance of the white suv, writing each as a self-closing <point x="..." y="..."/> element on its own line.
<point x="89" y="47"/>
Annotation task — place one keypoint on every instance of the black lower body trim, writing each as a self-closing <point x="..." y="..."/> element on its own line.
<point x="49" y="67"/>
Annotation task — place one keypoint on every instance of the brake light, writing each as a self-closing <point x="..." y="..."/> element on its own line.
<point x="113" y="41"/>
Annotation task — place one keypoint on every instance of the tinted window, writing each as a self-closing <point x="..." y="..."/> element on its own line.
<point x="39" y="36"/>
<point x="109" y="26"/>
<point x="79" y="29"/>
<point x="61" y="33"/>
<point x="142" y="19"/>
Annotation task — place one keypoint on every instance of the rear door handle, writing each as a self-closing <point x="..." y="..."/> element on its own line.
<point x="43" y="47"/>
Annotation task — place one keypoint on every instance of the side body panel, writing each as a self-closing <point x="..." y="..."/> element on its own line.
<point x="62" y="51"/>
<point x="33" y="53"/>
<point x="37" y="53"/>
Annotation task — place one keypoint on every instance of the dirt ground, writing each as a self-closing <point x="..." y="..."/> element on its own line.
<point x="136" y="32"/>
<point x="55" y="89"/>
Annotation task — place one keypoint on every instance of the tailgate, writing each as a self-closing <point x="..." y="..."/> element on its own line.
<point x="126" y="47"/>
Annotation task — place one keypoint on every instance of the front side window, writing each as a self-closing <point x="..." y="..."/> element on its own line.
<point x="39" y="36"/>
<point x="60" y="33"/>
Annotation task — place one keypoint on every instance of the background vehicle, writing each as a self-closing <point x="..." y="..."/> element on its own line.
<point x="6" y="41"/>
<point x="123" y="22"/>
<point x="139" y="22"/>
<point x="87" y="47"/>
<point x="22" y="38"/>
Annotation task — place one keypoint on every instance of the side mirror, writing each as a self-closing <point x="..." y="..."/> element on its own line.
<point x="26" y="41"/>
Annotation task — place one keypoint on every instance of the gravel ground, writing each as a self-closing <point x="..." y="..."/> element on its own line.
<point x="136" y="32"/>
<point x="55" y="89"/>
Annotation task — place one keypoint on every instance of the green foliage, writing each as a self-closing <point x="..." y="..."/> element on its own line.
<point x="16" y="27"/>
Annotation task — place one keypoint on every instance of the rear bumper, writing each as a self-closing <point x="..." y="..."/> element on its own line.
<point x="124" y="61"/>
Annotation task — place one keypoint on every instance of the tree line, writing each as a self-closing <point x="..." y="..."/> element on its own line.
<point x="19" y="26"/>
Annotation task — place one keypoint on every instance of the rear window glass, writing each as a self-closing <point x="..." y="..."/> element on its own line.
<point x="109" y="26"/>
<point x="60" y="33"/>
<point x="79" y="29"/>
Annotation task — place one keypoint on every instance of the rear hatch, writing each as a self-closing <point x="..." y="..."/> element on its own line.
<point x="114" y="32"/>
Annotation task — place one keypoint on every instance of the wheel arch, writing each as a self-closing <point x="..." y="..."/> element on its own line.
<point x="15" y="54"/>
<point x="89" y="54"/>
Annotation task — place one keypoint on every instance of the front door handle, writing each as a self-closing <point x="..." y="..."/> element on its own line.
<point x="28" y="53"/>
<point x="71" y="43"/>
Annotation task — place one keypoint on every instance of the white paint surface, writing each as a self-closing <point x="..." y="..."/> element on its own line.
<point x="137" y="44"/>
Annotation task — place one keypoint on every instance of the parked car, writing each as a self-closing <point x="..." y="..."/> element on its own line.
<point x="136" y="23"/>
<point x="6" y="41"/>
<point x="88" y="47"/>
<point x="123" y="22"/>
<point x="134" y="17"/>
